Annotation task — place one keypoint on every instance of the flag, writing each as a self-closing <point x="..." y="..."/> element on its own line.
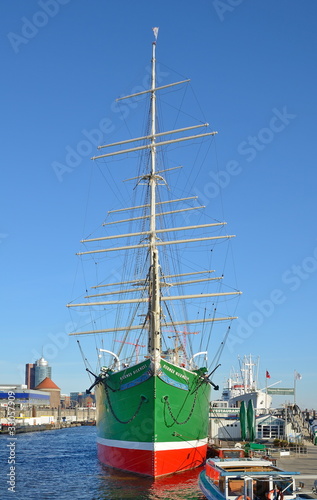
<point x="267" y="374"/>
<point x="155" y="31"/>
<point x="297" y="375"/>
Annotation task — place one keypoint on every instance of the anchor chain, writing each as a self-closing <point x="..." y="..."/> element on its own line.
<point x="143" y="400"/>
<point x="171" y="413"/>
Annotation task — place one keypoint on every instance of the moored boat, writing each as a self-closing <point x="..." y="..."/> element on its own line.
<point x="246" y="479"/>
<point x="242" y="385"/>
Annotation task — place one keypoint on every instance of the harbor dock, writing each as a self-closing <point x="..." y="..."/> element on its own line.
<point x="305" y="463"/>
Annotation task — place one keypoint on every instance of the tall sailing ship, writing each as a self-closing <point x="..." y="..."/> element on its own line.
<point x="153" y="402"/>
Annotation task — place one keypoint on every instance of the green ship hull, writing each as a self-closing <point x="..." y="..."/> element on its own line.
<point x="153" y="424"/>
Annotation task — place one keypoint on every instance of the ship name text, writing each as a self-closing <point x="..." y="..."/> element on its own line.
<point x="126" y="375"/>
<point x="180" y="375"/>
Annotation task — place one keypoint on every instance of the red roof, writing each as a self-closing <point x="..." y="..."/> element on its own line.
<point x="47" y="383"/>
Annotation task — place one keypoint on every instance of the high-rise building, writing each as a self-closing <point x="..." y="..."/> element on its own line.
<point x="30" y="375"/>
<point x="36" y="372"/>
<point x="41" y="371"/>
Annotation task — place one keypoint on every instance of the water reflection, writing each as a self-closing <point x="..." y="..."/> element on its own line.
<point x="120" y="485"/>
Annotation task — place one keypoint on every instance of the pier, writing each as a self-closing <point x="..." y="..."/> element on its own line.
<point x="305" y="463"/>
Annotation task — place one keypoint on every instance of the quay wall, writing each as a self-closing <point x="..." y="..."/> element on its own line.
<point x="37" y="416"/>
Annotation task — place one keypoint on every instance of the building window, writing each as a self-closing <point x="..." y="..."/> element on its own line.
<point x="272" y="431"/>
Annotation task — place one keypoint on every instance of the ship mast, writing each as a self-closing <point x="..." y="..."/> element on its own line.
<point x="154" y="308"/>
<point x="152" y="178"/>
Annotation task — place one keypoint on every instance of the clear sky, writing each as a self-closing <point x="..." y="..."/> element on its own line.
<point x="253" y="70"/>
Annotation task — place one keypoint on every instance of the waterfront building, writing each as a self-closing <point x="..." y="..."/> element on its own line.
<point x="82" y="399"/>
<point x="23" y="396"/>
<point x="65" y="400"/>
<point x="74" y="396"/>
<point x="54" y="391"/>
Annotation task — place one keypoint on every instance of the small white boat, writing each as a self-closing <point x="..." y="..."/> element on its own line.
<point x="246" y="479"/>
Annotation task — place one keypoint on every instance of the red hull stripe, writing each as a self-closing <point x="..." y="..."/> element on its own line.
<point x="157" y="446"/>
<point x="151" y="463"/>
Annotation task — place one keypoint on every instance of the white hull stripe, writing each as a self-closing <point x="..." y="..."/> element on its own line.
<point x="137" y="445"/>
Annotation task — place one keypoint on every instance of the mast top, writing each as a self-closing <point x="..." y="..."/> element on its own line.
<point x="155" y="31"/>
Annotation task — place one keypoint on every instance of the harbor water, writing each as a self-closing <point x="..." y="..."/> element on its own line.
<point x="62" y="464"/>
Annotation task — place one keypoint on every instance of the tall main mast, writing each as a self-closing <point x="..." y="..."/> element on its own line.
<point x="154" y="305"/>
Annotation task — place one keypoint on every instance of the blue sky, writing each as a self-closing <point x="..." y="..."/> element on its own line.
<point x="253" y="72"/>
